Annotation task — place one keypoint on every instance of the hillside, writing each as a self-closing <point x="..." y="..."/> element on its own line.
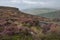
<point x="36" y="11"/>
<point x="55" y="14"/>
<point x="17" y="25"/>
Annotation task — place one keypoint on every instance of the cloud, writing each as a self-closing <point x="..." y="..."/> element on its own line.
<point x="15" y="1"/>
<point x="29" y="2"/>
<point x="34" y="2"/>
<point x="22" y="4"/>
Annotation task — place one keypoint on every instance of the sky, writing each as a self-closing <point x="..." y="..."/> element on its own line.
<point x="25" y="4"/>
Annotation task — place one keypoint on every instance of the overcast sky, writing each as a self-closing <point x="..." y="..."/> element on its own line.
<point x="25" y="4"/>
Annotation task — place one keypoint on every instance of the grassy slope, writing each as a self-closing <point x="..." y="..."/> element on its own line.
<point x="12" y="19"/>
<point x="55" y="14"/>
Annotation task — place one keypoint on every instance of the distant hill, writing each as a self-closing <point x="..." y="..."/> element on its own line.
<point x="44" y="12"/>
<point x="55" y="14"/>
<point x="36" y="11"/>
